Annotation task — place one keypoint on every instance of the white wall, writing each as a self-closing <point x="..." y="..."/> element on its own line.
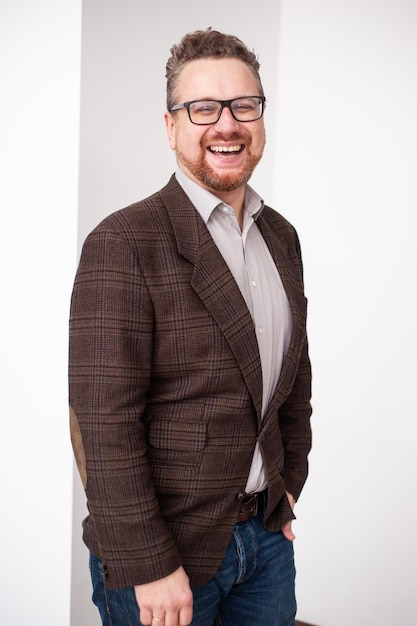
<point x="39" y="118"/>
<point x="346" y="163"/>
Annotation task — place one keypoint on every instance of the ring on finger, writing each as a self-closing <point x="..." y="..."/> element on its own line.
<point x="157" y="619"/>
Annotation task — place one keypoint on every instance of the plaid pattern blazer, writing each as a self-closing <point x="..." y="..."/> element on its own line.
<point x="165" y="390"/>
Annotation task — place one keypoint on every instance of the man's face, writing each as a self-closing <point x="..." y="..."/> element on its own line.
<point x="202" y="150"/>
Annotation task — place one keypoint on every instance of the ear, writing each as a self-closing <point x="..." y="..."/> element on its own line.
<point x="170" y="126"/>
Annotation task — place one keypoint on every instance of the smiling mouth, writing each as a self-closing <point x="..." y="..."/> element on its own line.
<point x="226" y="149"/>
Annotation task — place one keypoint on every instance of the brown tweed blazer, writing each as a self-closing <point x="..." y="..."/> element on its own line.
<point x="165" y="390"/>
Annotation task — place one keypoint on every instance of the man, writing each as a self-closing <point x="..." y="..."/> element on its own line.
<point x="189" y="371"/>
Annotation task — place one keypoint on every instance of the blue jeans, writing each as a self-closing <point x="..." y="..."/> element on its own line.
<point x="255" y="584"/>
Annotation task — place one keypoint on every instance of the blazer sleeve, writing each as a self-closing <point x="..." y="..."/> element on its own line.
<point x="295" y="412"/>
<point x="110" y="354"/>
<point x="294" y="420"/>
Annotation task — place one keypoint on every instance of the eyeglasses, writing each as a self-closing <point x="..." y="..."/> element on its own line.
<point x="247" y="109"/>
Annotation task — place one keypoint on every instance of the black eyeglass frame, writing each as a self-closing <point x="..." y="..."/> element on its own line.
<point x="223" y="104"/>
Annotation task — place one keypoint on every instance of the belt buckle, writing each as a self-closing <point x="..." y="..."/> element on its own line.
<point x="250" y="506"/>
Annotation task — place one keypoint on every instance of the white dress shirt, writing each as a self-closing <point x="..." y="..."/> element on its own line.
<point x="255" y="272"/>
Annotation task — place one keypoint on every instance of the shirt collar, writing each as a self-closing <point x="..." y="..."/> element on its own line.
<point x="205" y="202"/>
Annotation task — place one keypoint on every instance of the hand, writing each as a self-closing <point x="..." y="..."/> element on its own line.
<point x="287" y="529"/>
<point x="168" y="599"/>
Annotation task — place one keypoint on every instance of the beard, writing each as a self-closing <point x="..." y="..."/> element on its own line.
<point x="220" y="181"/>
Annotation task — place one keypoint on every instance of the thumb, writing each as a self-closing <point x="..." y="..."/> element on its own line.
<point x="287" y="531"/>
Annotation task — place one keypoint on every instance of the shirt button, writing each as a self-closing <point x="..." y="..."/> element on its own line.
<point x="254" y="283"/>
<point x="260" y="330"/>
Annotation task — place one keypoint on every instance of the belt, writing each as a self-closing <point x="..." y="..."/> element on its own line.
<point x="251" y="504"/>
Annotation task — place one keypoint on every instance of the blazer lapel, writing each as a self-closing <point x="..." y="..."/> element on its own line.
<point x="214" y="284"/>
<point x="280" y="256"/>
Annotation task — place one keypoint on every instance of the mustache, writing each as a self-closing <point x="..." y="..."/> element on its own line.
<point x="219" y="137"/>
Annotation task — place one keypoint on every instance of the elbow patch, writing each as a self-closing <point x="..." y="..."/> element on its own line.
<point x="78" y="447"/>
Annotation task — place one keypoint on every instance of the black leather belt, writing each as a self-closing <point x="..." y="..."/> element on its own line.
<point x="251" y="504"/>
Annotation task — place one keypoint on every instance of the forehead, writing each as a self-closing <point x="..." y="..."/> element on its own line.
<point x="218" y="79"/>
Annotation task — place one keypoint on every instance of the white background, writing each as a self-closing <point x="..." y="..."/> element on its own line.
<point x="347" y="162"/>
<point x="39" y="126"/>
<point x="340" y="163"/>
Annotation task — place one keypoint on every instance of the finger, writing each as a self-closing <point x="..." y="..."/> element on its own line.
<point x="186" y="616"/>
<point x="287" y="532"/>
<point x="145" y="617"/>
<point x="171" y="619"/>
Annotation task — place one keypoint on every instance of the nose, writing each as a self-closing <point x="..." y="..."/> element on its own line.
<point x="226" y="120"/>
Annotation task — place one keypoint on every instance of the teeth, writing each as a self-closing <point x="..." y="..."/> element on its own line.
<point x="225" y="148"/>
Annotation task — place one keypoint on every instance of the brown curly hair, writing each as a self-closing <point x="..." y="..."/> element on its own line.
<point x="206" y="44"/>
